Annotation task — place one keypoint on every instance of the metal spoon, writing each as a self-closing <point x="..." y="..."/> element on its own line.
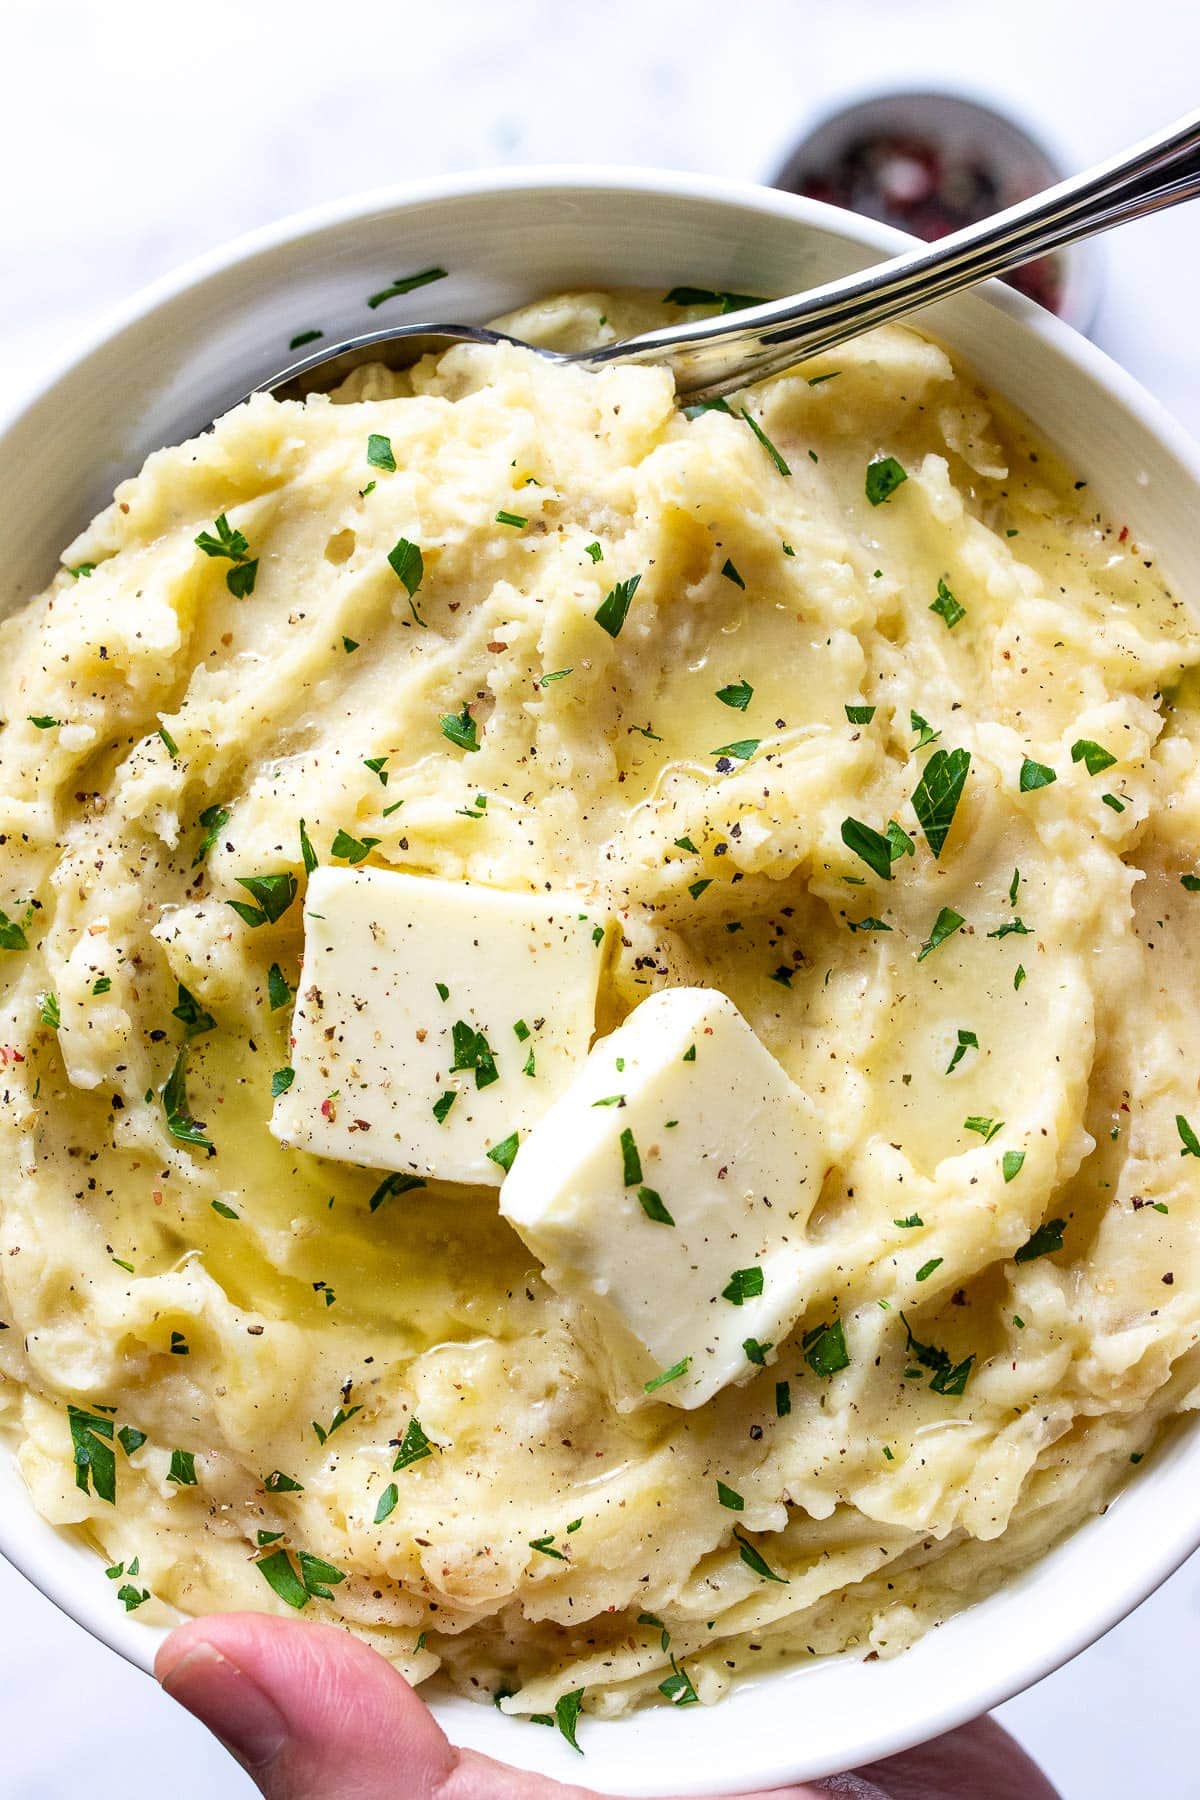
<point x="718" y="355"/>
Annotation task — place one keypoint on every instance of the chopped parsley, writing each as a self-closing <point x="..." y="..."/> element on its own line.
<point x="378" y="767"/>
<point x="566" y="1716"/>
<point x="194" y="1018"/>
<point x="631" y="1162"/>
<point x="1011" y="1163"/>
<point x="130" y="1439"/>
<point x="12" y="934"/>
<point x="730" y="1498"/>
<point x="696" y="888"/>
<point x="765" y="441"/>
<point x="755" y="1352"/>
<point x="1094" y="757"/>
<point x="472" y="1051"/>
<point x="92" y="1453"/>
<point x="273" y="894"/>
<point x="1012" y="928"/>
<point x="967" y="1040"/>
<point x="508" y="518"/>
<point x="651" y="1204"/>
<point x="595" y="552"/>
<point x="741" y="751"/>
<point x="312" y="1582"/>
<point x="947" y="607"/>
<point x="222" y="1210"/>
<point x="308" y="855"/>
<point x="743" y="1285"/>
<point x="102" y="984"/>
<point x="1045" y="1241"/>
<point x="168" y="740"/>
<point x="825" y="1349"/>
<point x="913" y="1221"/>
<point x="49" y="1011"/>
<point x="671" y="1374"/>
<point x="43" y="721"/>
<point x="341" y="1417"/>
<point x="1187" y="1137"/>
<point x="304" y="337"/>
<point x="183" y="1468"/>
<point x="278" y="991"/>
<point x="213" y="821"/>
<point x="753" y="1559"/>
<point x="614" y="608"/>
<point x="884" y="476"/>
<point x="944" y="926"/>
<point x="379" y="452"/>
<point x="729" y="571"/>
<point x="231" y="543"/>
<point x="388" y="1501"/>
<point x="783" y="1399"/>
<point x="504" y="1153"/>
<point x="180" y="1123"/>
<point x="281" y="1081"/>
<point x="443" y="1103"/>
<point x="986" y="1128"/>
<point x="351" y="849"/>
<point x="938" y="793"/>
<point x="925" y="733"/>
<point x="279" y="1483"/>
<point x="948" y="1377"/>
<point x="414" y="1446"/>
<point x="738" y="695"/>
<point x="555" y="675"/>
<point x="1035" y="775"/>
<point x="677" y="1688"/>
<point x="860" y="715"/>
<point x="392" y="1185"/>
<point x="404" y="284"/>
<point x="694" y="296"/>
<point x="870" y="845"/>
<point x="81" y="570"/>
<point x="926" y="1269"/>
<point x="408" y="564"/>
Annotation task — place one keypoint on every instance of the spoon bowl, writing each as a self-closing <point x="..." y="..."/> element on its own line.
<point x="717" y="356"/>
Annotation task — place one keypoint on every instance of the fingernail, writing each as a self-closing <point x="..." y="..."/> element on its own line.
<point x="229" y="1702"/>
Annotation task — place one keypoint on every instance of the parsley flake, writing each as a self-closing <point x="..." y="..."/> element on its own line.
<point x="614" y="608"/>
<point x="405" y="284"/>
<point x="884" y="476"/>
<point x="944" y="926"/>
<point x="1045" y="1241"/>
<point x="738" y="695"/>
<point x="1035" y="775"/>
<point x="1094" y="757"/>
<point x="938" y="793"/>
<point x="947" y="607"/>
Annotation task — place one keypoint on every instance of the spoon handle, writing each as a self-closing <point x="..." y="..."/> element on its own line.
<point x="718" y="355"/>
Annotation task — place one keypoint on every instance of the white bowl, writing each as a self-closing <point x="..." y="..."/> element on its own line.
<point x="194" y="343"/>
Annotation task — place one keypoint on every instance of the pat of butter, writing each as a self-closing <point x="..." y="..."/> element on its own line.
<point x="667" y="1192"/>
<point x="433" y="1019"/>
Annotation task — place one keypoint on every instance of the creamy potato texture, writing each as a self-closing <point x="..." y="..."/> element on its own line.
<point x="989" y="993"/>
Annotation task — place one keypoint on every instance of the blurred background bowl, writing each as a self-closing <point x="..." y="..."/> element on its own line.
<point x="929" y="162"/>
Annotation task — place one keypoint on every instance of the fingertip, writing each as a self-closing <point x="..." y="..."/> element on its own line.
<point x="305" y="1706"/>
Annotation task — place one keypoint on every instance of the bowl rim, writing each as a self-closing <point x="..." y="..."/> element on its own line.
<point x="43" y="1552"/>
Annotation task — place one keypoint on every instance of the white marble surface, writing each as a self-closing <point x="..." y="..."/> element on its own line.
<point x="135" y="134"/>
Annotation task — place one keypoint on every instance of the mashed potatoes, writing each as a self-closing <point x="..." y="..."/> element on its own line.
<point x="896" y="744"/>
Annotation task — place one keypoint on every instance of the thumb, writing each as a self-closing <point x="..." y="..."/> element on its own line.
<point x="312" y="1713"/>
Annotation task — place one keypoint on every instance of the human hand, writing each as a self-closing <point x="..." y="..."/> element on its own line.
<point x="312" y="1713"/>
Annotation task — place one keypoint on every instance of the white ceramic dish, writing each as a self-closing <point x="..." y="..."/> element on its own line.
<point x="192" y="344"/>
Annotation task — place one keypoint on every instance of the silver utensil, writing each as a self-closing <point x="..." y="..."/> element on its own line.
<point x="718" y="355"/>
